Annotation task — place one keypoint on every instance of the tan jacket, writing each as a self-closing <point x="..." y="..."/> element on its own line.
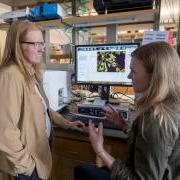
<point x="24" y="143"/>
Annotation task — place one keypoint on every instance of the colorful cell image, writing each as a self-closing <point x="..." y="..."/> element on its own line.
<point x="111" y="61"/>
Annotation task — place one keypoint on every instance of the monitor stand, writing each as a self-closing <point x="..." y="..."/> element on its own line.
<point x="105" y="92"/>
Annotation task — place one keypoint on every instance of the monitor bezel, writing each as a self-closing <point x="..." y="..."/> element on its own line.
<point x="98" y="83"/>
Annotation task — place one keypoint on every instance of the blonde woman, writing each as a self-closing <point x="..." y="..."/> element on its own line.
<point x="154" y="138"/>
<point x="25" y="115"/>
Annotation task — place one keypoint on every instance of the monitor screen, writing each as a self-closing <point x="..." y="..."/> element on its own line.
<point x="107" y="64"/>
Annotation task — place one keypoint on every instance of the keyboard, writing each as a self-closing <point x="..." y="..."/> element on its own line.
<point x="95" y="119"/>
<point x="62" y="107"/>
<point x="85" y="118"/>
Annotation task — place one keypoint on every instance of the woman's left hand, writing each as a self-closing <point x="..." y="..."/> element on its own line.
<point x="76" y="125"/>
<point x="96" y="137"/>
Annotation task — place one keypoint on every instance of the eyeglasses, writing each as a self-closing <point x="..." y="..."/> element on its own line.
<point x="35" y="44"/>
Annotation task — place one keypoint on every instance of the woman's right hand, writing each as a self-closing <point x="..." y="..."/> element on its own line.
<point x="113" y="115"/>
<point x="96" y="137"/>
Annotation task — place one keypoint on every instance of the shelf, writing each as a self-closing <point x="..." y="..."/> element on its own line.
<point x="51" y="23"/>
<point x="140" y="16"/>
<point x="45" y="24"/>
<point x="60" y="67"/>
<point x="60" y="59"/>
<point x="126" y="35"/>
<point x="60" y="56"/>
<point x="130" y="17"/>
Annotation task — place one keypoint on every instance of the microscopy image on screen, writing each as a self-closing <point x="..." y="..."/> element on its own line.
<point x="111" y="61"/>
<point x="107" y="64"/>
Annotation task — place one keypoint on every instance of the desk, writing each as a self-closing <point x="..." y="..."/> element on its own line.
<point x="71" y="148"/>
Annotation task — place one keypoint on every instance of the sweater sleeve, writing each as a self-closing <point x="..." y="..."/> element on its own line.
<point x="152" y="147"/>
<point x="11" y="96"/>
<point x="59" y="119"/>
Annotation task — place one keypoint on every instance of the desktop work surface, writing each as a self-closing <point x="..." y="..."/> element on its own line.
<point x="85" y="112"/>
<point x="71" y="148"/>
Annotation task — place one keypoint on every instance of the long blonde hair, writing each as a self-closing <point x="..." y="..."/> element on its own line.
<point x="162" y="62"/>
<point x="13" y="53"/>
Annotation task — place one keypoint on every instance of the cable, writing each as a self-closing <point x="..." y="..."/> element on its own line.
<point x="116" y="93"/>
<point x="122" y="94"/>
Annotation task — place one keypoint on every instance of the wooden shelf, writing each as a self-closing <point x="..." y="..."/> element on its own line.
<point x="140" y="16"/>
<point x="131" y="17"/>
<point x="60" y="67"/>
<point x="60" y="56"/>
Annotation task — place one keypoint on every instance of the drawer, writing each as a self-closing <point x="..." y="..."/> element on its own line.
<point x="73" y="149"/>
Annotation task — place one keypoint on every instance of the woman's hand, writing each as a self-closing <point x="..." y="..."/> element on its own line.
<point x="76" y="125"/>
<point x="113" y="115"/>
<point x="96" y="137"/>
<point x="97" y="140"/>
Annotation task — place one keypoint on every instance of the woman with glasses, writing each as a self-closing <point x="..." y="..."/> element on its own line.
<point x="25" y="115"/>
<point x="154" y="138"/>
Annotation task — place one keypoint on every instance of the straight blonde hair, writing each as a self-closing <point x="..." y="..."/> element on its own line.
<point x="13" y="53"/>
<point x="162" y="62"/>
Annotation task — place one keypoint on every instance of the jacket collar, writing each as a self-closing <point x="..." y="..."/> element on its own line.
<point x="31" y="70"/>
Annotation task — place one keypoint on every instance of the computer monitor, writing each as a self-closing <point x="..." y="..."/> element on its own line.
<point x="106" y="64"/>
